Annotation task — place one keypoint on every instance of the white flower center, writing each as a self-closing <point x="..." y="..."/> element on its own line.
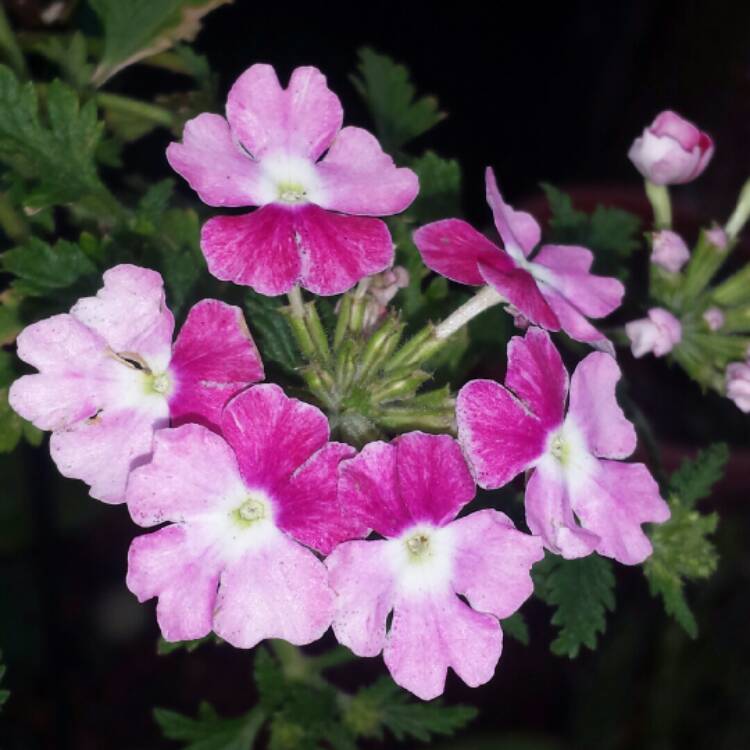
<point x="422" y="559"/>
<point x="288" y="179"/>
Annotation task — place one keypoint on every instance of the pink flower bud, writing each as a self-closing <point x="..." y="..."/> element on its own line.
<point x="738" y="385"/>
<point x="671" y="151"/>
<point x="383" y="288"/>
<point x="669" y="250"/>
<point x="714" y="318"/>
<point x="717" y="237"/>
<point x="659" y="333"/>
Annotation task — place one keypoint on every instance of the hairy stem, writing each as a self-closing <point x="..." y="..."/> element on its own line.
<point x="484" y="299"/>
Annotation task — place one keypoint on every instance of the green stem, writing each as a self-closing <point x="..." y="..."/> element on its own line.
<point x="136" y="108"/>
<point x="9" y="45"/>
<point x="658" y="196"/>
<point x="740" y="215"/>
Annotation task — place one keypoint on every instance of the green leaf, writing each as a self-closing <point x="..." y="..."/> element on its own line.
<point x="58" y="156"/>
<point x="582" y="592"/>
<point x="70" y="53"/>
<point x="439" y="188"/>
<point x="682" y="550"/>
<point x="390" y="96"/>
<point x="515" y="626"/>
<point x="610" y="233"/>
<point x="271" y="331"/>
<point x="164" y="648"/>
<point x="42" y="269"/>
<point x="11" y="425"/>
<point x="138" y="29"/>
<point x="384" y="706"/>
<point x="209" y="731"/>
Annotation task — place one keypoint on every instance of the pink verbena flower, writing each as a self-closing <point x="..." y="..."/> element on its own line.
<point x="578" y="499"/>
<point x="554" y="289"/>
<point x="669" y="250"/>
<point x="109" y="375"/>
<point x="240" y="509"/>
<point x="410" y="491"/>
<point x="671" y="151"/>
<point x="659" y="333"/>
<point x="314" y="224"/>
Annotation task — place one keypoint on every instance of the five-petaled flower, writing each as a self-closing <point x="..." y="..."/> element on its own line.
<point x="578" y="499"/>
<point x="240" y="508"/>
<point x="553" y="289"/>
<point x="409" y="492"/>
<point x="109" y="375"/>
<point x="315" y="224"/>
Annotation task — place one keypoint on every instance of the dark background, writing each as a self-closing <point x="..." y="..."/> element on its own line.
<point x="541" y="93"/>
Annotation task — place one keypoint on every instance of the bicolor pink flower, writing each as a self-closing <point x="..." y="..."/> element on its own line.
<point x="671" y="151"/>
<point x="239" y="510"/>
<point x="669" y="250"/>
<point x="314" y="224"/>
<point x="109" y="375"/>
<point x="738" y="385"/>
<point x="410" y="491"/>
<point x="659" y="333"/>
<point x="554" y="288"/>
<point x="580" y="496"/>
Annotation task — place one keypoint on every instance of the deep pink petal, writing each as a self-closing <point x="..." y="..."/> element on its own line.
<point x="683" y="131"/>
<point x="214" y="165"/>
<point x="357" y="177"/>
<point x="364" y="587"/>
<point x="536" y="375"/>
<point x="500" y="437"/>
<point x="213" y="358"/>
<point x="433" y="478"/>
<point x="493" y="562"/>
<point x="257" y="249"/>
<point x="178" y="565"/>
<point x="432" y="633"/>
<point x="337" y="250"/>
<point x="301" y="119"/>
<point x="276" y="590"/>
<point x="309" y="507"/>
<point x="130" y="314"/>
<point x="520" y="289"/>
<point x="192" y="473"/>
<point x="572" y="321"/>
<point x="594" y="408"/>
<point x="272" y="434"/>
<point x="613" y="503"/>
<point x="518" y="229"/>
<point x="453" y="249"/>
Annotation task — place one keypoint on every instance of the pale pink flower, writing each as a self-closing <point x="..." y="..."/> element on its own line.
<point x="671" y="150"/>
<point x="717" y="237"/>
<point x="669" y="250"/>
<point x="239" y="510"/>
<point x="554" y="288"/>
<point x="738" y="385"/>
<point x="409" y="491"/>
<point x="714" y="318"/>
<point x="109" y="375"/>
<point x="578" y="499"/>
<point x="658" y="334"/>
<point x="317" y="185"/>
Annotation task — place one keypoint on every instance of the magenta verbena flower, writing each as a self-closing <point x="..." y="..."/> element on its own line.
<point x="240" y="508"/>
<point x="579" y="497"/>
<point x="314" y="226"/>
<point x="553" y="288"/>
<point x="409" y="491"/>
<point x="109" y="375"/>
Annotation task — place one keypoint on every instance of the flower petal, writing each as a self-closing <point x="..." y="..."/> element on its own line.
<point x="301" y="119"/>
<point x="453" y="248"/>
<point x="214" y="357"/>
<point x="214" y="165"/>
<point x="359" y="574"/>
<point x="357" y="177"/>
<point x="499" y="436"/>
<point x="130" y="314"/>
<point x="272" y="434"/>
<point x="193" y="472"/>
<point x="176" y="564"/>
<point x="338" y="251"/>
<point x="493" y="562"/>
<point x="572" y="321"/>
<point x="433" y="479"/>
<point x="430" y="634"/>
<point x="309" y="508"/>
<point x="275" y="590"/>
<point x="518" y="229"/>
<point x="257" y="249"/>
<point x="594" y="408"/>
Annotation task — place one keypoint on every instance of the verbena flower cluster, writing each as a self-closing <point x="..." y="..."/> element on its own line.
<point x="265" y="528"/>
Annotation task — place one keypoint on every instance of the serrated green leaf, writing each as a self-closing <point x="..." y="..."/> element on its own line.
<point x="439" y="188"/>
<point x="209" y="731"/>
<point x="695" y="478"/>
<point x="56" y="157"/>
<point x="390" y="96"/>
<point x="515" y="626"/>
<point x="582" y="592"/>
<point x="70" y="53"/>
<point x="271" y="331"/>
<point x="138" y="29"/>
